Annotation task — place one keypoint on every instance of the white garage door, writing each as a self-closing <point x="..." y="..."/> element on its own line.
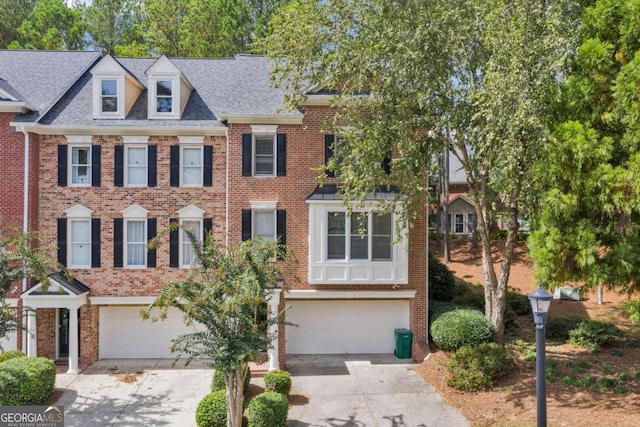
<point x="9" y="342"/>
<point x="123" y="333"/>
<point x="338" y="327"/>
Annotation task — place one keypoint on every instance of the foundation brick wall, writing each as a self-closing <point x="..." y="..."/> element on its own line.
<point x="46" y="326"/>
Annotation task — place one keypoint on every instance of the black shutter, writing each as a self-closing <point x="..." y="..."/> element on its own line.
<point x="62" y="165"/>
<point x="246" y="154"/>
<point x="62" y="241"/>
<point x="174" y="171"/>
<point x="174" y="244"/>
<point x="207" y="225"/>
<point x="152" y="165"/>
<point x="208" y="166"/>
<point x="118" y="244"/>
<point x="96" y="152"/>
<point x="386" y="164"/>
<point x="328" y="152"/>
<point x="152" y="231"/>
<point x="95" y="242"/>
<point x="282" y="155"/>
<point x="118" y="167"/>
<point x="281" y="231"/>
<point x="246" y="224"/>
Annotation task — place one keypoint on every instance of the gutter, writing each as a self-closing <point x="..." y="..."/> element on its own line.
<point x="226" y="203"/>
<point x="25" y="215"/>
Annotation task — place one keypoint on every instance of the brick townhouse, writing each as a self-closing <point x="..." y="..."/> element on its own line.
<point x="99" y="154"/>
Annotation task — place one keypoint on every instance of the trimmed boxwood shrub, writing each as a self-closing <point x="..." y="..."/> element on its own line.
<point x="217" y="382"/>
<point x="268" y="409"/>
<point x="475" y="368"/>
<point x="469" y="299"/>
<point x="437" y="308"/>
<point x="11" y="354"/>
<point x="594" y="334"/>
<point x="212" y="410"/>
<point x="442" y="283"/>
<point x="519" y="303"/>
<point x="558" y="328"/>
<point x="278" y="381"/>
<point x="457" y="328"/>
<point x="26" y="380"/>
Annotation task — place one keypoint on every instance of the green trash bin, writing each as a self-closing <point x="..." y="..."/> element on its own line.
<point x="403" y="343"/>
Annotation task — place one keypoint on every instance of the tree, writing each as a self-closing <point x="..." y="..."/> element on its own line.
<point x="52" y="25"/>
<point x="115" y="25"/>
<point x="12" y="13"/>
<point x="225" y="294"/>
<point x="588" y="226"/>
<point x="21" y="257"/>
<point x="477" y="77"/>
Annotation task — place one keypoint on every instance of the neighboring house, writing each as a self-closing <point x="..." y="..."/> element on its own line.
<point x="119" y="148"/>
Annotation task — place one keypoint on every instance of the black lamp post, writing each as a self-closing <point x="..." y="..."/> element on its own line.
<point x="540" y="304"/>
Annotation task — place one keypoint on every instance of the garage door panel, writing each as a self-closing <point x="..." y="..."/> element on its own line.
<point x="337" y="327"/>
<point x="123" y="333"/>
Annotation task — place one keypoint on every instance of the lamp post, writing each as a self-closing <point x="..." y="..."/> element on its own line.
<point x="540" y="304"/>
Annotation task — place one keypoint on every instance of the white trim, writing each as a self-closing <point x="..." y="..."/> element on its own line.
<point x="15" y="107"/>
<point x="12" y="302"/>
<point x="191" y="139"/>
<point x="134" y="211"/>
<point x="127" y="166"/>
<point x="79" y="139"/>
<point x="263" y="205"/>
<point x="274" y="151"/>
<point x="70" y="147"/>
<point x="122" y="300"/>
<point x="261" y="118"/>
<point x="320" y="294"/>
<point x="264" y="129"/>
<point x="188" y="147"/>
<point x="191" y="212"/>
<point x="5" y="94"/>
<point x="78" y="211"/>
<point x="135" y="139"/>
<point x="37" y="128"/>
<point x="70" y="242"/>
<point x="318" y="100"/>
<point x="125" y="251"/>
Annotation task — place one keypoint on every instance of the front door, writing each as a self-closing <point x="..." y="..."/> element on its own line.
<point x="63" y="333"/>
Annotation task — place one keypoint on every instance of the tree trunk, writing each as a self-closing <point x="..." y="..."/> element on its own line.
<point x="445" y="206"/>
<point x="235" y="395"/>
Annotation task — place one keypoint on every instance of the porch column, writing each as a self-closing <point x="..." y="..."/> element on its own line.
<point x="73" y="341"/>
<point x="273" y="330"/>
<point x="32" y="333"/>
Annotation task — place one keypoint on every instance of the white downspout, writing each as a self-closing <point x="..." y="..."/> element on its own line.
<point x="226" y="204"/>
<point x="426" y="272"/>
<point x="25" y="215"/>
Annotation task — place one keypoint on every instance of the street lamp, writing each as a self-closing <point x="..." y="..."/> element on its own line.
<point x="540" y="304"/>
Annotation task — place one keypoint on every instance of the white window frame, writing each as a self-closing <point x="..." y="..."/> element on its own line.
<point x="274" y="154"/>
<point x="189" y="213"/>
<point x="348" y="236"/>
<point x="127" y="166"/>
<point x="117" y="96"/>
<point x="323" y="270"/>
<point x="466" y="226"/>
<point x="182" y="165"/>
<point x="72" y="147"/>
<point x="78" y="214"/>
<point x="175" y="97"/>
<point x="126" y="242"/>
<point x="172" y="97"/>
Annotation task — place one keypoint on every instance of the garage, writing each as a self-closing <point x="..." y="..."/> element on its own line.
<point x="124" y="335"/>
<point x="339" y="327"/>
<point x="9" y="342"/>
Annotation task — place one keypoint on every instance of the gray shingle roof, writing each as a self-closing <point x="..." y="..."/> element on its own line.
<point x="331" y="192"/>
<point x="41" y="77"/>
<point x="231" y="86"/>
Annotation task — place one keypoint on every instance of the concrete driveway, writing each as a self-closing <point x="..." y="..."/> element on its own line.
<point x="364" y="390"/>
<point x="328" y="391"/>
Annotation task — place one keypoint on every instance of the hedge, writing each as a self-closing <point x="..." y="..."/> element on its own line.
<point x="11" y="354"/>
<point x="212" y="410"/>
<point x="26" y="380"/>
<point x="278" y="381"/>
<point x="475" y="368"/>
<point x="454" y="329"/>
<point x="268" y="409"/>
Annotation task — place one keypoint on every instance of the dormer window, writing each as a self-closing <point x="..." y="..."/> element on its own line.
<point x="115" y="90"/>
<point x="169" y="90"/>
<point x="109" y="95"/>
<point x="164" y="96"/>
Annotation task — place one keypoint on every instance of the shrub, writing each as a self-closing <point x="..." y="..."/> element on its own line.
<point x="217" y="382"/>
<point x="558" y="328"/>
<point x="278" y="381"/>
<point x="26" y="380"/>
<point x="436" y="308"/>
<point x="457" y="328"/>
<point x="475" y="368"/>
<point x="510" y="318"/>
<point x="11" y="354"/>
<point x="519" y="303"/>
<point x="442" y="283"/>
<point x="268" y="409"/>
<point x="469" y="299"/>
<point x="212" y="410"/>
<point x="594" y="334"/>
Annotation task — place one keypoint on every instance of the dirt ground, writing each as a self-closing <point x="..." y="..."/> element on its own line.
<point x="512" y="402"/>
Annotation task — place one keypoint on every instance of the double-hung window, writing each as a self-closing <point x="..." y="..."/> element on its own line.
<point x="109" y="95"/>
<point x="264" y="159"/>
<point x="136" y="247"/>
<point x="136" y="170"/>
<point x="80" y="165"/>
<point x="264" y="224"/>
<point x="359" y="236"/>
<point x="80" y="243"/>
<point x="164" y="96"/>
<point x="186" y="245"/>
<point x="191" y="166"/>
